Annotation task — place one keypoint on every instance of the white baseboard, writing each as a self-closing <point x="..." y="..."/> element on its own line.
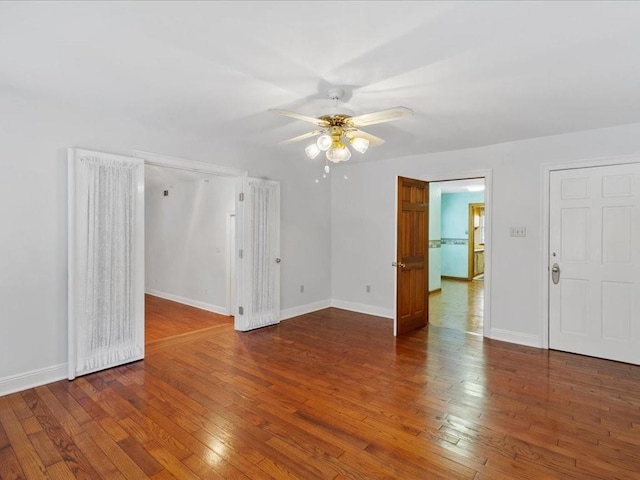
<point x="302" y="309"/>
<point x="188" y="301"/>
<point x="34" y="378"/>
<point x="516" y="337"/>
<point x="363" y="308"/>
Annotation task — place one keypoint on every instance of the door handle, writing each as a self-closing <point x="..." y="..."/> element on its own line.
<point x="398" y="264"/>
<point x="278" y="260"/>
<point x="555" y="273"/>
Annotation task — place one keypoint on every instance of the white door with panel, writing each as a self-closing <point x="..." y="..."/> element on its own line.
<point x="106" y="261"/>
<point x="258" y="253"/>
<point x="594" y="264"/>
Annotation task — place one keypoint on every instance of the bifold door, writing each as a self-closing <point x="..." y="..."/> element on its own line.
<point x="258" y="258"/>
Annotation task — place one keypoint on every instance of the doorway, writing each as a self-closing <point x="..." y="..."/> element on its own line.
<point x="455" y="301"/>
<point x="189" y="244"/>
<point x="459" y="303"/>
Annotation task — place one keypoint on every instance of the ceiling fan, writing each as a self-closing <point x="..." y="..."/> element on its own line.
<point x="338" y="129"/>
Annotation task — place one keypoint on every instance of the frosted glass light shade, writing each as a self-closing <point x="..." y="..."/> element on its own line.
<point x="338" y="154"/>
<point x="312" y="150"/>
<point x="324" y="142"/>
<point x="359" y="144"/>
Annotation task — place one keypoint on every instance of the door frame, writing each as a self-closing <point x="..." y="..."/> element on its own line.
<point x="487" y="175"/>
<point x="471" y="237"/>
<point x="231" y="278"/>
<point x="546" y="227"/>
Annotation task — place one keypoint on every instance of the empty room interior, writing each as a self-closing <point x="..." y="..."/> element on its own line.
<point x="320" y="240"/>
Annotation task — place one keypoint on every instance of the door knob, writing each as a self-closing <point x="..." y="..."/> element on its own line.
<point x="278" y="260"/>
<point x="398" y="264"/>
<point x="555" y="273"/>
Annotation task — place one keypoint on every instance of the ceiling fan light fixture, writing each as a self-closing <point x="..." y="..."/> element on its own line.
<point x="312" y="151"/>
<point x="324" y="142"/>
<point x="339" y="127"/>
<point x="359" y="144"/>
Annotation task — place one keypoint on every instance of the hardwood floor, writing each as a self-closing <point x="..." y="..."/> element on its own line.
<point x="331" y="395"/>
<point x="164" y="319"/>
<point x="459" y="305"/>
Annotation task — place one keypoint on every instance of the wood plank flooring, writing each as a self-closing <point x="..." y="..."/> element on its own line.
<point x="458" y="305"/>
<point x="331" y="395"/>
<point x="164" y="318"/>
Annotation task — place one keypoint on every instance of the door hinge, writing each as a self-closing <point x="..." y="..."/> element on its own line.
<point x="241" y="197"/>
<point x="240" y="253"/>
<point x="240" y="310"/>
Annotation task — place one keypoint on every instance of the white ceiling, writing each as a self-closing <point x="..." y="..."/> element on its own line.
<point x="475" y="73"/>
<point x="460" y="186"/>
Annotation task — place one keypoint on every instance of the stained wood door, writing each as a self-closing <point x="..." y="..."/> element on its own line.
<point x="594" y="240"/>
<point x="412" y="264"/>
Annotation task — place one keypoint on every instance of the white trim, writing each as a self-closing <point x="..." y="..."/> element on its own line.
<point x="188" y="301"/>
<point x="515" y="337"/>
<point x="363" y="308"/>
<point x="487" y="175"/>
<point x="34" y="378"/>
<point x="394" y="313"/>
<point x="71" y="264"/>
<point x="190" y="165"/>
<point x="545" y="206"/>
<point x="231" y="257"/>
<point x="304" y="309"/>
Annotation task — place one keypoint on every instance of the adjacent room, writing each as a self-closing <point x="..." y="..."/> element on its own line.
<point x="320" y="240"/>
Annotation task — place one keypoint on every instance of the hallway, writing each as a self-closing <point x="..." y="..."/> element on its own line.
<point x="459" y="306"/>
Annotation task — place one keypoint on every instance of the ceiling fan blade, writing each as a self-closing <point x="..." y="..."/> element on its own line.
<point x="373" y="140"/>
<point x="299" y="116"/>
<point x="304" y="136"/>
<point x="379" y="117"/>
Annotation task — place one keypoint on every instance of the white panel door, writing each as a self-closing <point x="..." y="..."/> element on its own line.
<point x="258" y="244"/>
<point x="106" y="261"/>
<point x="594" y="240"/>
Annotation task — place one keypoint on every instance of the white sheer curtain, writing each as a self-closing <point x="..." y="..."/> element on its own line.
<point x="259" y="294"/>
<point x="106" y="323"/>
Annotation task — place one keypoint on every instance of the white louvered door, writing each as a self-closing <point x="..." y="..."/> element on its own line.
<point x="258" y="256"/>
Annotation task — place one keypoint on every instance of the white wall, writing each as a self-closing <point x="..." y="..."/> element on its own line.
<point x="34" y="135"/>
<point x="363" y="225"/>
<point x="186" y="236"/>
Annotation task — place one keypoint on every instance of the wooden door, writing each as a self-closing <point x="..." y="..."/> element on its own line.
<point x="412" y="288"/>
<point x="594" y="245"/>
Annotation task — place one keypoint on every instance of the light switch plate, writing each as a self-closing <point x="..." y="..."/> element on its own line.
<point x="518" y="231"/>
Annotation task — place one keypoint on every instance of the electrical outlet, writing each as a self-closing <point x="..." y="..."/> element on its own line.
<point x="518" y="231"/>
<point x="301" y="288"/>
<point x="368" y="288"/>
